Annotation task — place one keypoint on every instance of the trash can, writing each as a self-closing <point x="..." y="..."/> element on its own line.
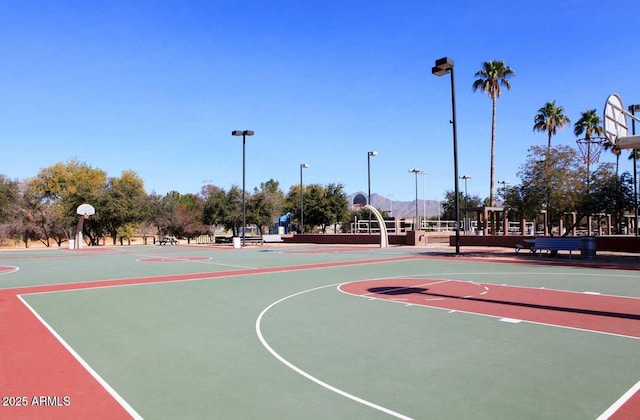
<point x="236" y="242"/>
<point x="72" y="243"/>
<point x="588" y="247"/>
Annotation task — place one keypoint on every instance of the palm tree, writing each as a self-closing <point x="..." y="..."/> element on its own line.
<point x="616" y="151"/>
<point x="490" y="79"/>
<point x="550" y="118"/>
<point x="589" y="124"/>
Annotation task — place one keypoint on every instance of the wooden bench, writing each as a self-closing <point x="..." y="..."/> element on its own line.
<point x="556" y="244"/>
<point x="264" y="239"/>
<point x="252" y="240"/>
<point x="168" y="240"/>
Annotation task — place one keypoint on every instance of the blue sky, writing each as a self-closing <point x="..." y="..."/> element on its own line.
<point x="158" y="86"/>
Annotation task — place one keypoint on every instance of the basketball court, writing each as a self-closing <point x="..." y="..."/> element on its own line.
<point x="313" y="332"/>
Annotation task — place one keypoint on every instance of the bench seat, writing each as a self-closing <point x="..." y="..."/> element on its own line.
<point x="556" y="244"/>
<point x="271" y="238"/>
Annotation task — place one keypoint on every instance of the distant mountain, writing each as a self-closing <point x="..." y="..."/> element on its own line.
<point x="401" y="209"/>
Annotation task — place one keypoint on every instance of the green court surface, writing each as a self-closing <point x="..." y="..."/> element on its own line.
<point x="266" y="333"/>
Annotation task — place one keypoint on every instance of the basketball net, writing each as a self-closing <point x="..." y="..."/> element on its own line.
<point x="590" y="149"/>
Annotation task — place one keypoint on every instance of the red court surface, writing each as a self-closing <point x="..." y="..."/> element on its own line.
<point x="584" y="311"/>
<point x="39" y="378"/>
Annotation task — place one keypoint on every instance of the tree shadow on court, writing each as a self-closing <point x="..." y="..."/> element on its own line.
<point x="399" y="290"/>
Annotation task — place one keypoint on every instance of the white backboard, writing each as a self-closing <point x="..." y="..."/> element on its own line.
<point x="86" y="210"/>
<point x="614" y="119"/>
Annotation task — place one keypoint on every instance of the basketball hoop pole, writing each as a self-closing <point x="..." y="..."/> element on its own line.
<point x="633" y="109"/>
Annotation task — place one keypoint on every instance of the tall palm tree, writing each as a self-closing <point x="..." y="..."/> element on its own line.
<point x="616" y="151"/>
<point x="591" y="125"/>
<point x="550" y="118"/>
<point x="493" y="75"/>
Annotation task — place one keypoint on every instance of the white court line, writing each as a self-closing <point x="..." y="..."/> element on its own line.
<point x="307" y="375"/>
<point x="511" y="320"/>
<point x="9" y="271"/>
<point x="85" y="365"/>
<point x="186" y="259"/>
<point x="621" y="401"/>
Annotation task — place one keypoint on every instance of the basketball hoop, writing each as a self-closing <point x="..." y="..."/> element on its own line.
<point x="86" y="210"/>
<point x="590" y="149"/>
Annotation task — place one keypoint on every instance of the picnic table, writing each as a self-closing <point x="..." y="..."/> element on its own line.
<point x="168" y="240"/>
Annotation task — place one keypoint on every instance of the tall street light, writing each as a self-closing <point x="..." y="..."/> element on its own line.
<point x="466" y="202"/>
<point x="465" y="177"/>
<point x="633" y="109"/>
<point x="443" y="66"/>
<point x="424" y="197"/>
<point x="369" y="154"/>
<point x="504" y="187"/>
<point x="244" y="134"/>
<point x="302" y="166"/>
<point x="416" y="171"/>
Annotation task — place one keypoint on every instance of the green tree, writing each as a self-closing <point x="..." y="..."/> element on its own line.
<point x="292" y="203"/>
<point x="224" y="208"/>
<point x="337" y="203"/>
<point x="126" y="232"/>
<point x="265" y="205"/>
<point x="590" y="125"/>
<point x="612" y="193"/>
<point x="214" y="212"/>
<point x="10" y="210"/>
<point x="120" y="201"/>
<point x="67" y="185"/>
<point x="9" y="192"/>
<point x="490" y="79"/>
<point x="323" y="205"/>
<point x="449" y="205"/>
<point x="549" y="119"/>
<point x="158" y="211"/>
<point x="551" y="181"/>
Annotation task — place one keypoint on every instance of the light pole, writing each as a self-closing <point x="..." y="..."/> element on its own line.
<point x="424" y="198"/>
<point x="504" y="191"/>
<point x="244" y="134"/>
<point x="416" y="171"/>
<point x="633" y="109"/>
<point x="302" y="166"/>
<point x="465" y="177"/>
<point x="369" y="154"/>
<point x="466" y="202"/>
<point x="443" y="66"/>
